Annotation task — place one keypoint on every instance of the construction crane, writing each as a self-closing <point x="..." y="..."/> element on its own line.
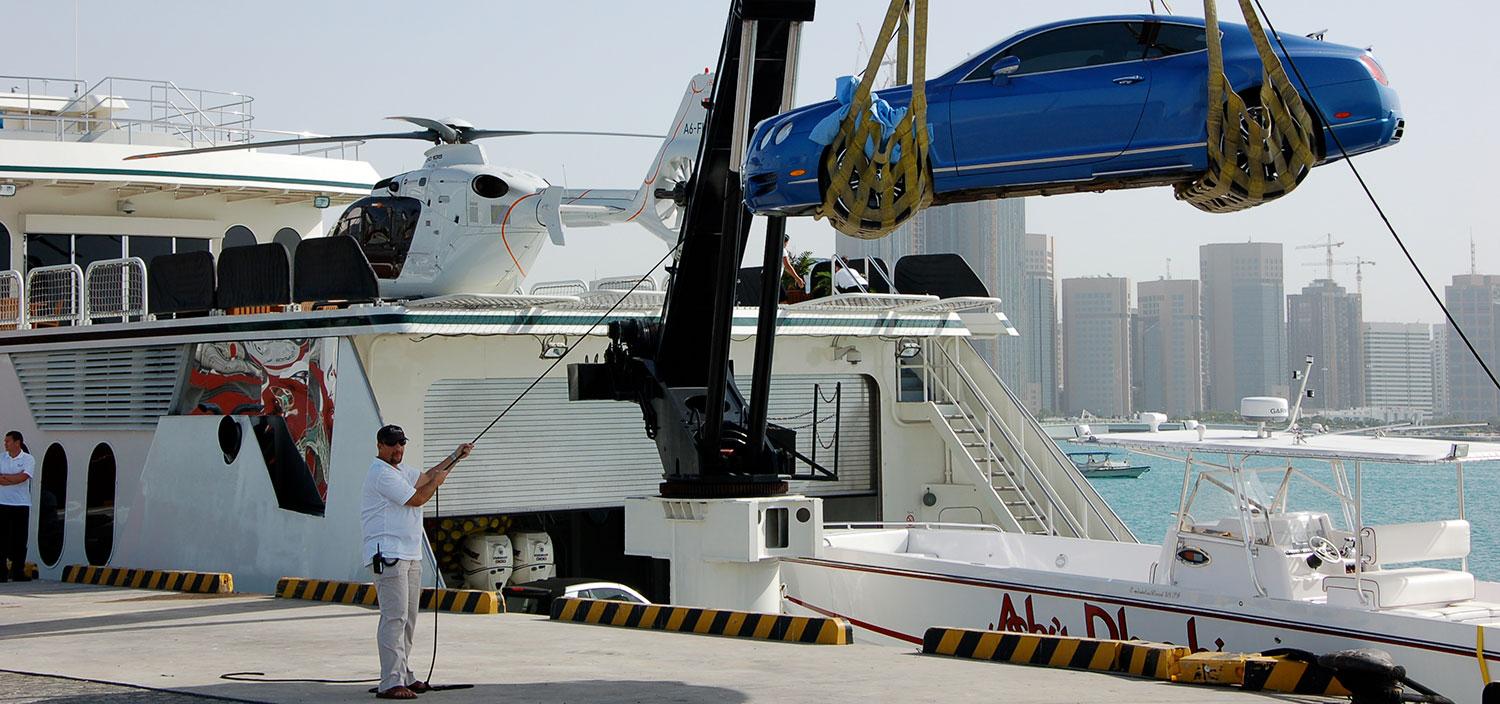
<point x="1327" y="245"/>
<point x="1359" y="264"/>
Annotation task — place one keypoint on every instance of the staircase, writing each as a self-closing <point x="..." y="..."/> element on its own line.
<point x="995" y="443"/>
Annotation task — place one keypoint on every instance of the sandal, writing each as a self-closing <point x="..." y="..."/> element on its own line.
<point x="419" y="687"/>
<point x="397" y="692"/>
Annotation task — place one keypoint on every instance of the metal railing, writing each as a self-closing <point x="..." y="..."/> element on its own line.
<point x="12" y="299"/>
<point x="625" y="283"/>
<point x="128" y="108"/>
<point x="952" y="382"/>
<point x="569" y="287"/>
<point x="54" y="294"/>
<point x="116" y="290"/>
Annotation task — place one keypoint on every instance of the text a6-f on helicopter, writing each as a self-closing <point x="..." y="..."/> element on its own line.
<point x="460" y="224"/>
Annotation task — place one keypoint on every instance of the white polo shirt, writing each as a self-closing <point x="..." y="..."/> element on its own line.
<point x="388" y="523"/>
<point x="17" y="494"/>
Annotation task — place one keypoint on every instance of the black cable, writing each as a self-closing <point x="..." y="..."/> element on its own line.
<point x="1371" y="196"/>
<point x="437" y="507"/>
<point x="577" y="342"/>
<point x="261" y="677"/>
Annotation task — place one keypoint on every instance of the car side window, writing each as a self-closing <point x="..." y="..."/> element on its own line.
<point x="611" y="594"/>
<point x="1078" y="46"/>
<point x="1173" y="39"/>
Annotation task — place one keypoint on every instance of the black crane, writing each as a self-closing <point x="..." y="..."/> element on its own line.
<point x="712" y="442"/>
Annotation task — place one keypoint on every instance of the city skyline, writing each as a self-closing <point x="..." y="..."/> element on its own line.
<point x="306" y="84"/>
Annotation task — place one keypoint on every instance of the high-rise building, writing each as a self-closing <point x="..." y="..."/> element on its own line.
<point x="990" y="236"/>
<point x="1167" y="347"/>
<point x="1474" y="301"/>
<point x="1096" y="346"/>
<point x="1039" y="382"/>
<point x="1398" y="366"/>
<point x="1441" y="406"/>
<point x="1325" y="320"/>
<point x="1244" y="317"/>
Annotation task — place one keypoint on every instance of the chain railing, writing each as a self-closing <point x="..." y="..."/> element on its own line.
<point x="12" y="310"/>
<point x="116" y="290"/>
<point x="54" y="294"/>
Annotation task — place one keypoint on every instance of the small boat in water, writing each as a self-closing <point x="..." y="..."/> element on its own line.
<point x="1104" y="465"/>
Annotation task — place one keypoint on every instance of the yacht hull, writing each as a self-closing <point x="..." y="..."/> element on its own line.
<point x="894" y="597"/>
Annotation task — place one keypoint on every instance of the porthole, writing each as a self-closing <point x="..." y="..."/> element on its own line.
<point x="52" y="503"/>
<point x="489" y="186"/>
<point x="99" y="518"/>
<point x="288" y="238"/>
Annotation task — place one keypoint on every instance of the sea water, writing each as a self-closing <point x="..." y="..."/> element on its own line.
<point x="1393" y="493"/>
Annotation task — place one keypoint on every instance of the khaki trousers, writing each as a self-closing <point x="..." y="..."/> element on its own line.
<point x="399" y="588"/>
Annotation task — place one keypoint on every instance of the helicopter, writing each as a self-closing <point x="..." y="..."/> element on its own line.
<point x="460" y="224"/>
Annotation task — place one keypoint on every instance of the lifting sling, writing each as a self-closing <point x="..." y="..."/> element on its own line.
<point x="878" y="180"/>
<point x="1256" y="153"/>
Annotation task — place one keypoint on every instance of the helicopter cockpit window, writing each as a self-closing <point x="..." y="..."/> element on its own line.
<point x="384" y="227"/>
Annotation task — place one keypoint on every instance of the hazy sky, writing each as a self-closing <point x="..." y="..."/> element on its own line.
<point x="339" y="67"/>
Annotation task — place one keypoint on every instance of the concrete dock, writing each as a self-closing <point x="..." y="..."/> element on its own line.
<point x="182" y="643"/>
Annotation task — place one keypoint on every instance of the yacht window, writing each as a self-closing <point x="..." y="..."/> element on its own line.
<point x="189" y="244"/>
<point x="384" y="227"/>
<point x="288" y="238"/>
<point x="147" y="247"/>
<point x="88" y="249"/>
<point x="48" y="250"/>
<point x="52" y="505"/>
<point x="238" y="236"/>
<point x="99" y="519"/>
<point x="5" y="242"/>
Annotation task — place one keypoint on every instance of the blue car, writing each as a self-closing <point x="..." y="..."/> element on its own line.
<point x="1083" y="105"/>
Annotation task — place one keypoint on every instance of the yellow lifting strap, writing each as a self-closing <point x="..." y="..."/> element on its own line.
<point x="868" y="196"/>
<point x="1256" y="153"/>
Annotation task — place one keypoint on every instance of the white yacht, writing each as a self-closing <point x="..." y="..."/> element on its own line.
<point x="199" y="398"/>
<point x="1250" y="564"/>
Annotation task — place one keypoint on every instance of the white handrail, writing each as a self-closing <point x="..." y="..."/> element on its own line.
<point x="1035" y="474"/>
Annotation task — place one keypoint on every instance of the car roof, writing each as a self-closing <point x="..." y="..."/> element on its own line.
<point x="563" y="582"/>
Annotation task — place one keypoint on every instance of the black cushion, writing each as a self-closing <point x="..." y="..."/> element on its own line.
<point x="180" y="283"/>
<point x="259" y="275"/>
<point x="941" y="275"/>
<point x="333" y="269"/>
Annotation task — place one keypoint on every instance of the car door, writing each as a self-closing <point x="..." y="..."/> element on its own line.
<point x="1177" y="108"/>
<point x="1075" y="98"/>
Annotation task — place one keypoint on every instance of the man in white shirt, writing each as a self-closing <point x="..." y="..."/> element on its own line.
<point x="391" y="519"/>
<point x="16" y="468"/>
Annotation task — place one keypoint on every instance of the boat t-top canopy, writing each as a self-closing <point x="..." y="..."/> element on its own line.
<point x="1326" y="446"/>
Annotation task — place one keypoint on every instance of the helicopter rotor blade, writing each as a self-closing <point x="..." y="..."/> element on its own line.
<point x="440" y="130"/>
<point x="424" y="136"/>
<point x="486" y="134"/>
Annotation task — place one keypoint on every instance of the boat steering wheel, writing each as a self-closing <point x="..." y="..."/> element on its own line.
<point x="1325" y="549"/>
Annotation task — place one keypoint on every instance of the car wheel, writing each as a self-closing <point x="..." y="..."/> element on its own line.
<point x="840" y="207"/>
<point x="1256" y="113"/>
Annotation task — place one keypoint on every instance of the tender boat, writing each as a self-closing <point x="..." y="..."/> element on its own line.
<point x="1244" y="568"/>
<point x="1103" y="465"/>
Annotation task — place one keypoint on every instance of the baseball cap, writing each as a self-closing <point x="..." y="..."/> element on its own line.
<point x="390" y="435"/>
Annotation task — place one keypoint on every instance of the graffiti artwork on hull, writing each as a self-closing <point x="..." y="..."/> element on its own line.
<point x="291" y="380"/>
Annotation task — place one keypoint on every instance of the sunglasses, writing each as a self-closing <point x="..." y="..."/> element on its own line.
<point x="401" y="442"/>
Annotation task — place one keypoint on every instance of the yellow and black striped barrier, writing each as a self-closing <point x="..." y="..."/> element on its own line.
<point x="1161" y="661"/>
<point x="464" y="601"/>
<point x="1260" y="673"/>
<point x="814" y="630"/>
<point x="170" y="580"/>
<point x="1155" y="660"/>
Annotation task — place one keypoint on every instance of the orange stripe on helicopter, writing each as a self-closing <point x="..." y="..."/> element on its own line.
<point x="506" y="242"/>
